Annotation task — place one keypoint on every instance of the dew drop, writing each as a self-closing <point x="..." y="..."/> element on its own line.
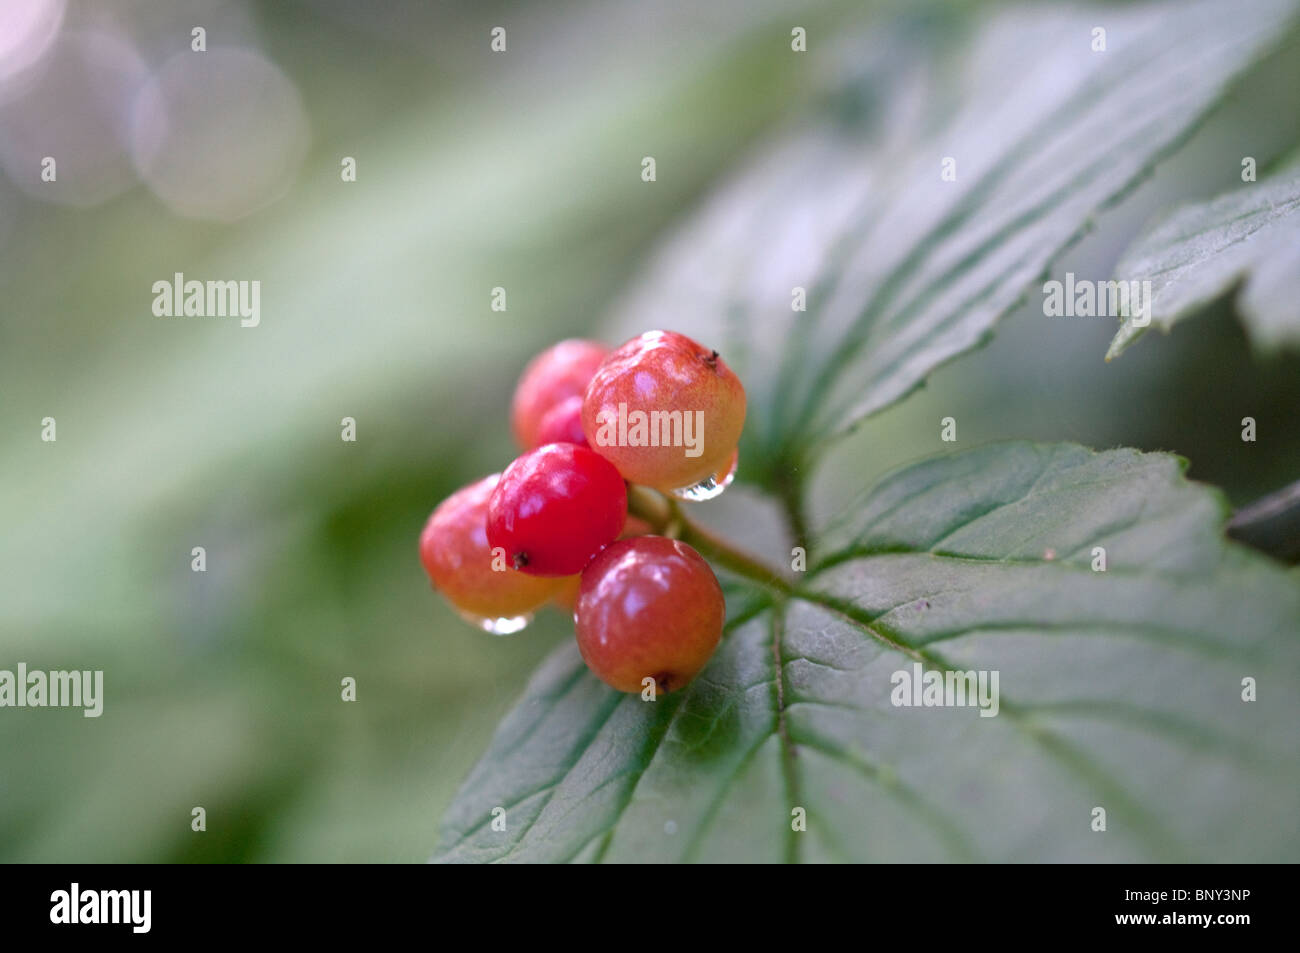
<point x="502" y="625"/>
<point x="709" y="487"/>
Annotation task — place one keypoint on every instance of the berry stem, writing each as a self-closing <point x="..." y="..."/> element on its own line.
<point x="666" y="518"/>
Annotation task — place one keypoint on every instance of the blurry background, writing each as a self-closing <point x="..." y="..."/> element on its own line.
<point x="474" y="170"/>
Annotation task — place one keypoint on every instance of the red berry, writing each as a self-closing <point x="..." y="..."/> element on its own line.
<point x="563" y="423"/>
<point x="567" y="597"/>
<point x="649" y="607"/>
<point x="559" y="372"/>
<point x="666" y="411"/>
<point x="455" y="552"/>
<point x="555" y="507"/>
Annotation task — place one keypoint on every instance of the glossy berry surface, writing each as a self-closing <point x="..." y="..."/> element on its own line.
<point x="648" y="607"/>
<point x="656" y="380"/>
<point x="558" y="373"/>
<point x="455" y="552"/>
<point x="567" y="597"/>
<point x="555" y="507"/>
<point x="563" y="423"/>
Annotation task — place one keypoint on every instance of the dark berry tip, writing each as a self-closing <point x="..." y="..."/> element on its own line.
<point x="520" y="560"/>
<point x="711" y="359"/>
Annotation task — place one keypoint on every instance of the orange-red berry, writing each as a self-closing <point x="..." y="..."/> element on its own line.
<point x="461" y="565"/>
<point x="558" y="373"/>
<point x="666" y="411"/>
<point x="648" y="607"/>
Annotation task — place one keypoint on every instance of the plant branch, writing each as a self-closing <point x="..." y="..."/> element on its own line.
<point x="1271" y="524"/>
<point x="666" y="518"/>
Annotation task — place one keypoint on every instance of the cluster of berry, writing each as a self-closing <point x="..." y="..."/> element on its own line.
<point x="555" y="527"/>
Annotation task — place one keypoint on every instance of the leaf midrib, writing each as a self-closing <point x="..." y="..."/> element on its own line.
<point x="1151" y="830"/>
<point x="1066" y="755"/>
<point x="1029" y="144"/>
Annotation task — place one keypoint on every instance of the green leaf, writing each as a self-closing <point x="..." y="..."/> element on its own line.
<point x="1249" y="237"/>
<point x="1118" y="689"/>
<point x="905" y="271"/>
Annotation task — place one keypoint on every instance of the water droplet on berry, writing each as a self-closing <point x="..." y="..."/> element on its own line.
<point x="504" y="625"/>
<point x="706" y="489"/>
